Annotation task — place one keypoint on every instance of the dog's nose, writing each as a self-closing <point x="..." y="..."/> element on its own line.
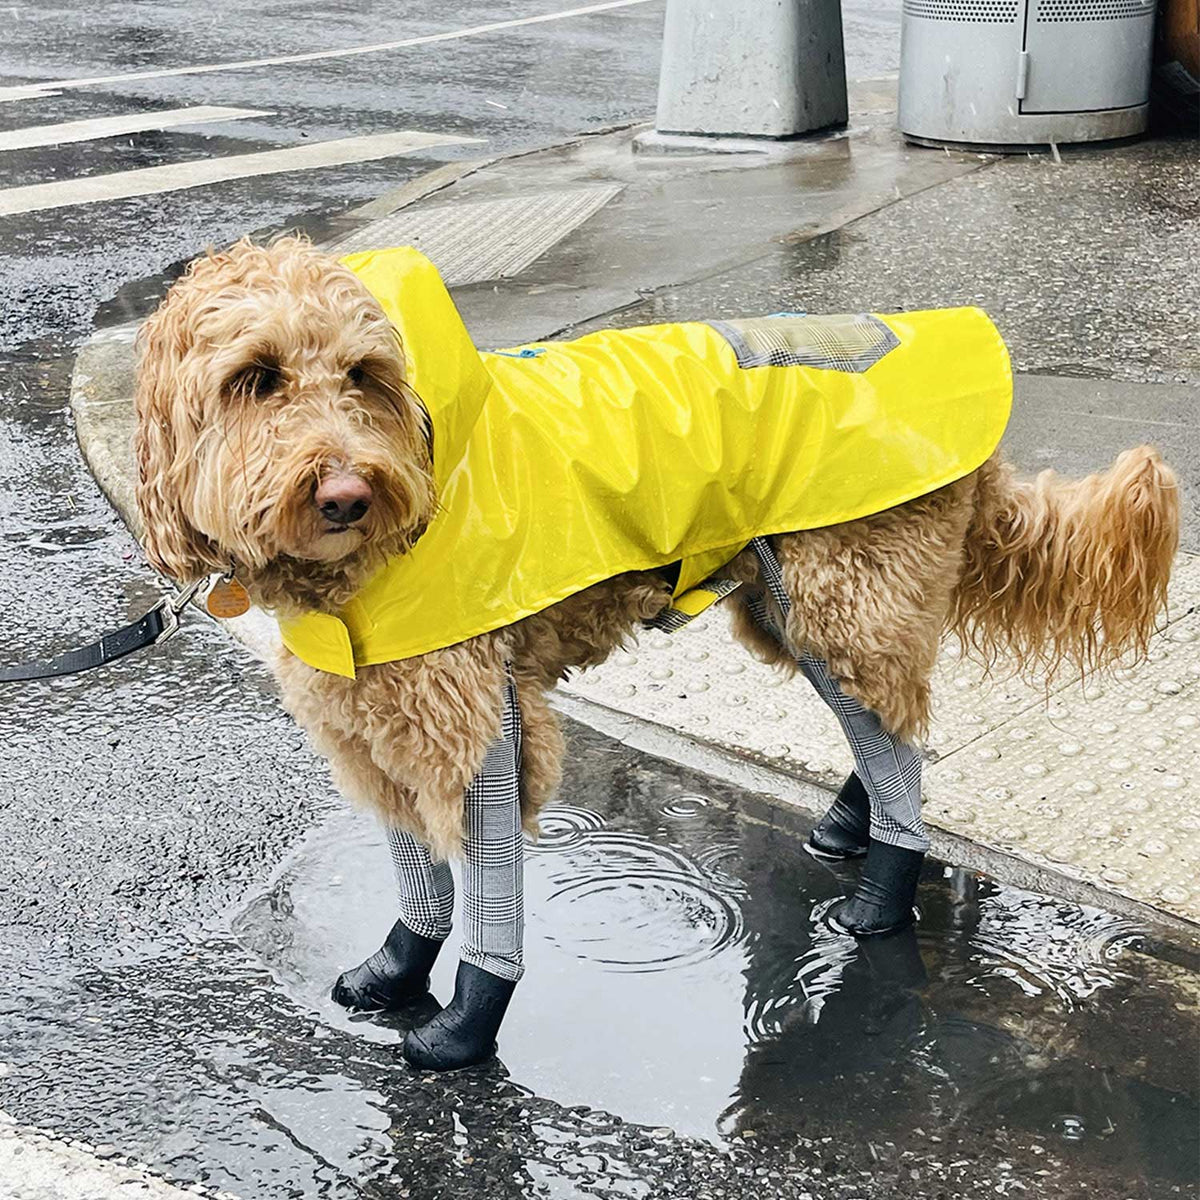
<point x="343" y="499"/>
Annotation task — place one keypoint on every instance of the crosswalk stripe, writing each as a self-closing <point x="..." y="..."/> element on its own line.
<point x="102" y="127"/>
<point x="175" y="176"/>
<point x="25" y="91"/>
<point x="28" y="91"/>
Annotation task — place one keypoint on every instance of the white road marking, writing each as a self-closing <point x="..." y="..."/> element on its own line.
<point x="26" y="91"/>
<point x="176" y="176"/>
<point x="102" y="127"/>
<point x="31" y="91"/>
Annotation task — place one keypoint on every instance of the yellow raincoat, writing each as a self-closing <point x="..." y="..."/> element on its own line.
<point x="562" y="464"/>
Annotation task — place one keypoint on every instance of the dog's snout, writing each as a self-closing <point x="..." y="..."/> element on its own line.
<point x="343" y="499"/>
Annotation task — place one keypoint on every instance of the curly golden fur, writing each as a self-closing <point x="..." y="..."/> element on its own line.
<point x="264" y="368"/>
<point x="267" y="368"/>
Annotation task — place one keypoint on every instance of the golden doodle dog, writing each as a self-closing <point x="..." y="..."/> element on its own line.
<point x="280" y="436"/>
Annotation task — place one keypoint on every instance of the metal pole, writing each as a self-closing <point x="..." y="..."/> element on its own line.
<point x="763" y="68"/>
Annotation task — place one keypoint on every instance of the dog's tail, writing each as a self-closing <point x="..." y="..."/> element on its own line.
<point x="1068" y="571"/>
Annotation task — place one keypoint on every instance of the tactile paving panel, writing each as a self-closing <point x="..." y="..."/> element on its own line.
<point x="486" y="239"/>
<point x="1102" y="782"/>
<point x="1056" y="776"/>
<point x="702" y="683"/>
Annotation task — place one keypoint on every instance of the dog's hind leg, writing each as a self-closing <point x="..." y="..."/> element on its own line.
<point x="843" y="832"/>
<point x="889" y="770"/>
<point x="464" y="1032"/>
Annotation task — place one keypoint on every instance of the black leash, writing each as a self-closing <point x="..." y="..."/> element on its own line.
<point x="156" y="626"/>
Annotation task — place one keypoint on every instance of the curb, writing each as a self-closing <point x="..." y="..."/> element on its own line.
<point x="794" y="795"/>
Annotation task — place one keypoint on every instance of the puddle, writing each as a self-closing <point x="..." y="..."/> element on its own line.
<point x="688" y="1023"/>
<point x="680" y="974"/>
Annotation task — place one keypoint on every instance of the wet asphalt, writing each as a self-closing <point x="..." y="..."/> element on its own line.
<point x="688" y="1027"/>
<point x="180" y="884"/>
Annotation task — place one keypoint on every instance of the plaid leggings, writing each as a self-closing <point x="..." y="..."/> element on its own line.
<point x="889" y="769"/>
<point x="493" y="868"/>
<point x="493" y="864"/>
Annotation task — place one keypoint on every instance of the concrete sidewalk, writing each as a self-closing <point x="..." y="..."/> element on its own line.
<point x="1088" y="788"/>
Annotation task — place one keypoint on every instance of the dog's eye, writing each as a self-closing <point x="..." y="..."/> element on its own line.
<point x="257" y="380"/>
<point x="356" y="375"/>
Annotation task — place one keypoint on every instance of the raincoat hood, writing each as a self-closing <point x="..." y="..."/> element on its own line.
<point x="561" y="464"/>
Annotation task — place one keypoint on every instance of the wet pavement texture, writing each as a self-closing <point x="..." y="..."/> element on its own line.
<point x="123" y="798"/>
<point x="688" y="1027"/>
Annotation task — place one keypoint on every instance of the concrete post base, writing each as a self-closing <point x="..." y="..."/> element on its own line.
<point x="776" y="149"/>
<point x="762" y="68"/>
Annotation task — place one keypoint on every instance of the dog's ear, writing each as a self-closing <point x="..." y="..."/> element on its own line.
<point x="418" y="425"/>
<point x="385" y="377"/>
<point x="167" y="426"/>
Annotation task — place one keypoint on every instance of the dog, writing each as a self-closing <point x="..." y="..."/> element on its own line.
<point x="279" y="437"/>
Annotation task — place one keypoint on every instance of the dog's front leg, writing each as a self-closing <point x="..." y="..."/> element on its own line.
<point x="492" y="846"/>
<point x="405" y="738"/>
<point x="427" y="723"/>
<point x="491" y="959"/>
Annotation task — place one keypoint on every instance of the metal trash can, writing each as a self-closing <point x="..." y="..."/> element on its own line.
<point x="1006" y="73"/>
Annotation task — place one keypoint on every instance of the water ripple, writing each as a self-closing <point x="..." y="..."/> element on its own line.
<point x="563" y="826"/>
<point x="1045" y="946"/>
<point x="685" y="808"/>
<point x="634" y="906"/>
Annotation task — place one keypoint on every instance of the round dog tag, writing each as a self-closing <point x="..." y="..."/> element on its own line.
<point x="227" y="599"/>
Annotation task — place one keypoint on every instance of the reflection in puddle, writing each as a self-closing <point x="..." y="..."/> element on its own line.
<point x="798" y="987"/>
<point x="681" y="973"/>
<point x="1044" y="946"/>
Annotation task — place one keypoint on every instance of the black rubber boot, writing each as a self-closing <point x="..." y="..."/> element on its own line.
<point x="464" y="1032"/>
<point x="843" y="832"/>
<point x="884" y="899"/>
<point x="393" y="977"/>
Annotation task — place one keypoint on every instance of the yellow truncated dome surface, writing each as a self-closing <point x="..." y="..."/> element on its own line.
<point x="564" y="463"/>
